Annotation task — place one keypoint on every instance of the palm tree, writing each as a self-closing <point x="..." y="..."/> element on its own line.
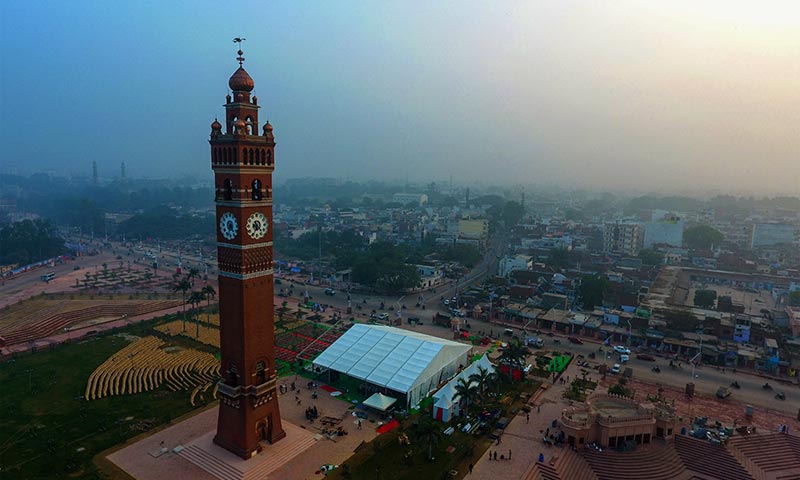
<point x="210" y="293"/>
<point x="182" y="286"/>
<point x="495" y="378"/>
<point x="514" y="355"/>
<point x="193" y="273"/>
<point x="467" y="391"/>
<point x="196" y="298"/>
<point x="482" y="378"/>
<point x="429" y="431"/>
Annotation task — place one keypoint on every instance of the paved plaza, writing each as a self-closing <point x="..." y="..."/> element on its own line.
<point x="139" y="461"/>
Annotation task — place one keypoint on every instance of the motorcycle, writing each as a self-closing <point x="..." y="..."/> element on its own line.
<point x="767" y="386"/>
<point x="735" y="385"/>
<point x="780" y="396"/>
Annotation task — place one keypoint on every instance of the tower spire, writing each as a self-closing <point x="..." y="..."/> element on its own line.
<point x="240" y="58"/>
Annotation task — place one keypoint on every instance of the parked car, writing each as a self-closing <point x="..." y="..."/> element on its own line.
<point x="508" y="332"/>
<point x="534" y="342"/>
<point x="646" y="357"/>
<point x="575" y="340"/>
<point x="622" y="349"/>
<point x="383" y="316"/>
<point x="330" y="292"/>
<point x="615" y="368"/>
<point x="624" y="358"/>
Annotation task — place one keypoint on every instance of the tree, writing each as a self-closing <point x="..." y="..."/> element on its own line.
<point x="680" y="320"/>
<point x="725" y="303"/>
<point x="429" y="432"/>
<point x="482" y="378"/>
<point x="702" y="237"/>
<point x="195" y="299"/>
<point x="512" y="213"/>
<point x="467" y="391"/>
<point x="28" y="241"/>
<point x="558" y="257"/>
<point x="193" y="273"/>
<point x="182" y="285"/>
<point x="514" y="355"/>
<point x="651" y="257"/>
<point x="592" y="289"/>
<point x="705" y="298"/>
<point x="209" y="293"/>
<point x="794" y="298"/>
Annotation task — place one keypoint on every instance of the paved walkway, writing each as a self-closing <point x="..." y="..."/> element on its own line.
<point x="524" y="438"/>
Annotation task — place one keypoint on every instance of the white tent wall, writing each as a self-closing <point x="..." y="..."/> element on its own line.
<point x="448" y="403"/>
<point x="435" y="374"/>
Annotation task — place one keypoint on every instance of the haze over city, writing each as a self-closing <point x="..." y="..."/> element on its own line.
<point x="657" y="96"/>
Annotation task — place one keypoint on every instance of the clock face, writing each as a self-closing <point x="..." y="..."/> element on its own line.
<point x="228" y="226"/>
<point x="257" y="225"/>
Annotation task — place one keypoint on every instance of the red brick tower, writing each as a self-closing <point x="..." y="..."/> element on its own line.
<point x="243" y="162"/>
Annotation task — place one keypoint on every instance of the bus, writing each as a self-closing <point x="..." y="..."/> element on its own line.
<point x="48" y="276"/>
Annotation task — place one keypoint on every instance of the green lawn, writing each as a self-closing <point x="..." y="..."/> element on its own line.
<point x="385" y="459"/>
<point x="47" y="431"/>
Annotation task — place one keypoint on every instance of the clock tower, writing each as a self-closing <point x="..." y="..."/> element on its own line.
<point x="243" y="161"/>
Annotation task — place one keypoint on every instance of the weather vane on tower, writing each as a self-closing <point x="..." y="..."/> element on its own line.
<point x="239" y="40"/>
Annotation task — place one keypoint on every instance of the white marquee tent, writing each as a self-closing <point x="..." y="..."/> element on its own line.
<point x="447" y="402"/>
<point x="379" y="401"/>
<point x="409" y="363"/>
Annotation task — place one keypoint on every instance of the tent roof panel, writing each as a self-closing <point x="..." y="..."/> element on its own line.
<point x="387" y="356"/>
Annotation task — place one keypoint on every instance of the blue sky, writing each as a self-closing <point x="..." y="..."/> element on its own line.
<point x="666" y="96"/>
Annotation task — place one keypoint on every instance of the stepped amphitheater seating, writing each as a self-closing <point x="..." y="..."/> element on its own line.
<point x="560" y="464"/>
<point x="772" y="456"/>
<point x="49" y="321"/>
<point x="703" y="457"/>
<point x="144" y="365"/>
<point x="656" y="462"/>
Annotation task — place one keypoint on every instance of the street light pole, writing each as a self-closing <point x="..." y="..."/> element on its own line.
<point x="699" y="355"/>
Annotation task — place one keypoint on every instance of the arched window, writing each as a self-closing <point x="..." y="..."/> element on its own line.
<point x="228" y="189"/>
<point x="269" y="157"/>
<point x="251" y="156"/>
<point x="261" y="373"/>
<point x="249" y="123"/>
<point x="256" y="189"/>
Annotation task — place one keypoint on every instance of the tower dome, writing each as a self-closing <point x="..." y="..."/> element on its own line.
<point x="216" y="125"/>
<point x="241" y="81"/>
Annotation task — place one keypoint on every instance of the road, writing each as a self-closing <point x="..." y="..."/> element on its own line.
<point x="707" y="380"/>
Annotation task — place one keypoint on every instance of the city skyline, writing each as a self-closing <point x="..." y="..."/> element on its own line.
<point x="654" y="97"/>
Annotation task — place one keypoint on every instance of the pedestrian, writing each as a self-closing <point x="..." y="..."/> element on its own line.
<point x="527" y="418"/>
<point x="359" y="424"/>
<point x="509" y="454"/>
<point x="470" y="468"/>
<point x="538" y="408"/>
<point x="490" y="455"/>
<point x="495" y="456"/>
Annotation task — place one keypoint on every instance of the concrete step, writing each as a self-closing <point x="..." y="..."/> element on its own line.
<point x="211" y="464"/>
<point x="278" y="456"/>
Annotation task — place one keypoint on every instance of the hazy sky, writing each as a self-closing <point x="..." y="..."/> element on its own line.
<point x="661" y="95"/>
